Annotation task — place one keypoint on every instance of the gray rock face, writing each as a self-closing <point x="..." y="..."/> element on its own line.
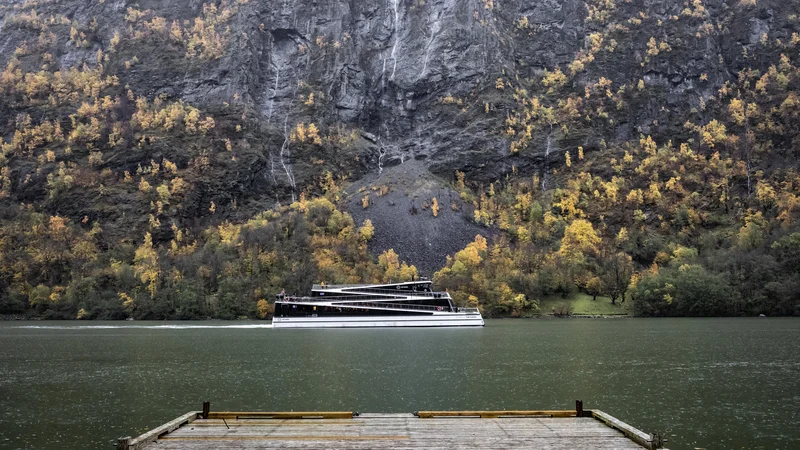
<point x="403" y="216"/>
<point x="382" y="66"/>
<point x="379" y="65"/>
<point x="381" y="69"/>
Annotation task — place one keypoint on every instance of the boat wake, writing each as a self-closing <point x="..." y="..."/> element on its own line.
<point x="148" y="327"/>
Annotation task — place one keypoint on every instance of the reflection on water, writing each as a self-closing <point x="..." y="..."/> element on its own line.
<point x="145" y="327"/>
<point x="715" y="383"/>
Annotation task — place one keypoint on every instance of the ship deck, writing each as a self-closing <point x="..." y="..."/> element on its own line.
<point x="422" y="430"/>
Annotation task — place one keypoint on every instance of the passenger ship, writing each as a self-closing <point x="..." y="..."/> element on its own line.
<point x="409" y="304"/>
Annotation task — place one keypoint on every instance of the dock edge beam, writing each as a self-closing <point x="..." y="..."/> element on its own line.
<point x="649" y="441"/>
<point x="139" y="442"/>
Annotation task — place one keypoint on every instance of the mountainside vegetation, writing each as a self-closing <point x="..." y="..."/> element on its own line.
<point x="655" y="162"/>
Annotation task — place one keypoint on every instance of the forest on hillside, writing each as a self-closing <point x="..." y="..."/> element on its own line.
<point x="117" y="201"/>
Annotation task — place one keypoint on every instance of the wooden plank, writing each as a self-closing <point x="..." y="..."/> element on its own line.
<point x="636" y="435"/>
<point x="518" y="425"/>
<point x="421" y="434"/>
<point x="371" y="445"/>
<point x="494" y="414"/>
<point x="547" y="429"/>
<point x="273" y="422"/>
<point x="282" y="438"/>
<point x="145" y="439"/>
<point x="620" y="443"/>
<point x="433" y="433"/>
<point x="386" y="416"/>
<point x="429" y="427"/>
<point x="281" y="415"/>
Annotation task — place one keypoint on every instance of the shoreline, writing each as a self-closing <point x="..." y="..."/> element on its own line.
<point x="23" y="318"/>
<point x="15" y="318"/>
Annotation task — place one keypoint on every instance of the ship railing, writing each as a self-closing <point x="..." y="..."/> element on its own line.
<point x="364" y="302"/>
<point x="395" y="292"/>
<point x="368" y="304"/>
<point x="333" y="298"/>
<point x="458" y="309"/>
<point x="409" y="307"/>
<point x="399" y="306"/>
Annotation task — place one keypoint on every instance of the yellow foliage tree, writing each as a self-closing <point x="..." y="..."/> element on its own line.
<point x="367" y="231"/>
<point x="146" y="266"/>
<point x="263" y="308"/>
<point x="714" y="133"/>
<point x="393" y="269"/>
<point x="579" y="239"/>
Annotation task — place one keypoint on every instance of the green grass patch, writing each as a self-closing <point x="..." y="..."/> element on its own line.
<point x="583" y="304"/>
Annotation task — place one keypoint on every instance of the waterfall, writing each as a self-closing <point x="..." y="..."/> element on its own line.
<point x="547" y="149"/>
<point x="383" y="149"/>
<point x="285" y="152"/>
<point x="549" y="145"/>
<point x="434" y="31"/>
<point x="272" y="168"/>
<point x="274" y="93"/>
<point x="381" y="153"/>
<point x="393" y="53"/>
<point x="383" y="75"/>
<point x="395" y="23"/>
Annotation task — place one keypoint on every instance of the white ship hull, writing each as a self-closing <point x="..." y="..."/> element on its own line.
<point x="435" y="320"/>
<point x="405" y="304"/>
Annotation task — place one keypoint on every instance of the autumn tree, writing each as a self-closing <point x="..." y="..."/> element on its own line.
<point x="595" y="287"/>
<point x="393" y="269"/>
<point x="580" y="239"/>
<point x="616" y="273"/>
<point x="263" y="308"/>
<point x="146" y="265"/>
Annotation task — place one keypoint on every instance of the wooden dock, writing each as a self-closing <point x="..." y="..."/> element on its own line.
<point x="560" y="429"/>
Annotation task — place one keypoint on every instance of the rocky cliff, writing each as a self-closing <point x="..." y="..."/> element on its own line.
<point x="383" y="67"/>
<point x="300" y="88"/>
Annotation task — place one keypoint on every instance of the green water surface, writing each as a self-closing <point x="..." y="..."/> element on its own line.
<point x="713" y="383"/>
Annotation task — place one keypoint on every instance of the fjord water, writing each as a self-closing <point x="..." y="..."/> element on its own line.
<point x="715" y="383"/>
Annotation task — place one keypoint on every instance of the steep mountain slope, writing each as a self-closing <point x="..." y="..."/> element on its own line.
<point x="142" y="143"/>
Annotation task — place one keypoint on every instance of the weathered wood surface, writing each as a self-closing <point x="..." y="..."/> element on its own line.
<point x="145" y="439"/>
<point x="395" y="431"/>
<point x="496" y="414"/>
<point x="638" y="436"/>
<point x="281" y="415"/>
